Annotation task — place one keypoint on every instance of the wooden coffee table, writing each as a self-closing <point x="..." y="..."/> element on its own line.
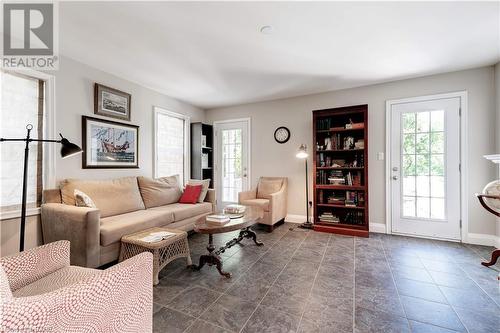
<point x="251" y="217"/>
<point x="163" y="251"/>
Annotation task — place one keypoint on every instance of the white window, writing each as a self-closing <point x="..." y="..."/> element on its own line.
<point x="171" y="144"/>
<point x="22" y="103"/>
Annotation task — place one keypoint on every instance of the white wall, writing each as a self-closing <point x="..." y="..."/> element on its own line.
<point x="74" y="98"/>
<point x="272" y="159"/>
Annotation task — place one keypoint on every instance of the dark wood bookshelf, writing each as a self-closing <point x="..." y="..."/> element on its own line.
<point x="347" y="181"/>
<point x="198" y="148"/>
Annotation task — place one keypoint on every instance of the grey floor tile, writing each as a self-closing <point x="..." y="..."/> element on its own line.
<point x="168" y="320"/>
<point x="472" y="297"/>
<point x="379" y="300"/>
<point x="479" y="321"/>
<point x="418" y="327"/>
<point x="411" y="273"/>
<point x="424" y="290"/>
<point x="285" y="300"/>
<point x="229" y="312"/>
<point x="269" y="320"/>
<point x="194" y="300"/>
<point x="168" y="289"/>
<point x="201" y="326"/>
<point x="250" y="289"/>
<point x="328" y="314"/>
<point x="372" y="321"/>
<point x="452" y="280"/>
<point x="440" y="266"/>
<point x="437" y="314"/>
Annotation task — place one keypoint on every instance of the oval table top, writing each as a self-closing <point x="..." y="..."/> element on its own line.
<point x="251" y="216"/>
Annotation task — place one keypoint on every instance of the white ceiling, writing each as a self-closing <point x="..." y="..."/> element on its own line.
<point x="212" y="54"/>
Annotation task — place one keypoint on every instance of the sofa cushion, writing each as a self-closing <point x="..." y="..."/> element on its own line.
<point x="112" y="197"/>
<point x="159" y="192"/>
<point x="262" y="203"/>
<point x="205" y="184"/>
<point x="61" y="278"/>
<point x="113" y="228"/>
<point x="184" y="211"/>
<point x="267" y="187"/>
<point x="191" y="194"/>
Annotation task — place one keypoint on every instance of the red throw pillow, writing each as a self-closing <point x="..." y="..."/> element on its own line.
<point x="191" y="194"/>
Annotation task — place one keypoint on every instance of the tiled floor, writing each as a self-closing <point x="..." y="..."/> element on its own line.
<point x="302" y="281"/>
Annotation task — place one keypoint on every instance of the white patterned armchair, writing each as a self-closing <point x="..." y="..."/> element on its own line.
<point x="41" y="292"/>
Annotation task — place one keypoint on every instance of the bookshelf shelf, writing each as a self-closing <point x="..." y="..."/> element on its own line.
<point x="338" y="130"/>
<point x="339" y="206"/>
<point x="346" y="183"/>
<point x="340" y="187"/>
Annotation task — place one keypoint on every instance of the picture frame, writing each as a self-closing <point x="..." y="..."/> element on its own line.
<point x="109" y="144"/>
<point x="110" y="102"/>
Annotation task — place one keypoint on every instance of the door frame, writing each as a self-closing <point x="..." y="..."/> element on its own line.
<point x="464" y="211"/>
<point x="248" y="121"/>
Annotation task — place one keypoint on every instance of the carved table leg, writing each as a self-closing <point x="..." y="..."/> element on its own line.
<point x="248" y="233"/>
<point x="494" y="257"/>
<point x="212" y="258"/>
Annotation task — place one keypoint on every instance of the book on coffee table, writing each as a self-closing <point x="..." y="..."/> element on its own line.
<point x="218" y="219"/>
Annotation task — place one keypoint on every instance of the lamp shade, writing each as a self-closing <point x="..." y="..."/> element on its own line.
<point x="302" y="153"/>
<point x="69" y="149"/>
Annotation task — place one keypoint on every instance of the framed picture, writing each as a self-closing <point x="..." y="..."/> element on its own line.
<point x="110" y="102"/>
<point x="109" y="144"/>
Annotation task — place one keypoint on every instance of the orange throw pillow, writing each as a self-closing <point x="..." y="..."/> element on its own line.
<point x="191" y="194"/>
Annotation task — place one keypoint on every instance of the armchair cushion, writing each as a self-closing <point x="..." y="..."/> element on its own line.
<point x="61" y="278"/>
<point x="268" y="186"/>
<point x="262" y="203"/>
<point x="31" y="265"/>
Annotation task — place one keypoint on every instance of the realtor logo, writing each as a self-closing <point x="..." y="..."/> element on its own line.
<point x="29" y="39"/>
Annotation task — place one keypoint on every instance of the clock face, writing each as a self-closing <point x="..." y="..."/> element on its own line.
<point x="282" y="134"/>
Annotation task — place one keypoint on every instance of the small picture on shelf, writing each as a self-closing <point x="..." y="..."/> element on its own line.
<point x="204" y="161"/>
<point x="203" y="140"/>
<point x="348" y="143"/>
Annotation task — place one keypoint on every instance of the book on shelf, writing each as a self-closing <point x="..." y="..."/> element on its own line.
<point x="328" y="217"/>
<point x="355" y="218"/>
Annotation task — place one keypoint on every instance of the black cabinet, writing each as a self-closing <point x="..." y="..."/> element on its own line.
<point x="202" y="152"/>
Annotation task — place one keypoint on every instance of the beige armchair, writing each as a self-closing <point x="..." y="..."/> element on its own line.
<point x="271" y="196"/>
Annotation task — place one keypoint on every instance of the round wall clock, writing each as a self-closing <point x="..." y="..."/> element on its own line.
<point x="281" y="134"/>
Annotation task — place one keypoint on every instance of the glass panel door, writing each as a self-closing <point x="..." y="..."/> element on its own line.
<point x="231" y="172"/>
<point x="425" y="175"/>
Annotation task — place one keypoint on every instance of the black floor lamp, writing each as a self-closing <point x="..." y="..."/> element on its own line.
<point x="302" y="154"/>
<point x="68" y="149"/>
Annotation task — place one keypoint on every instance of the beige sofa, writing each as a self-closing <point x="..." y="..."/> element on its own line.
<point x="124" y="206"/>
<point x="271" y="195"/>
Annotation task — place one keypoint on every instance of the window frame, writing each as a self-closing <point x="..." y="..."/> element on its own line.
<point x="49" y="132"/>
<point x="187" y="135"/>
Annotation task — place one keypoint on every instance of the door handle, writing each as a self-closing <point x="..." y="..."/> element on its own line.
<point x="244" y="175"/>
<point x="395" y="177"/>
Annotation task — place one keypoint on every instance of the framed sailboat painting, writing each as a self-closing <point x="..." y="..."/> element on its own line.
<point x="109" y="144"/>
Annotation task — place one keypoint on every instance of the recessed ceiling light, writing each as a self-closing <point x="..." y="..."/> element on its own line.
<point x="267" y="29"/>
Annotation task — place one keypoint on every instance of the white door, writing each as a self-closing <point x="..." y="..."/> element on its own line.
<point x="232" y="173"/>
<point x="425" y="170"/>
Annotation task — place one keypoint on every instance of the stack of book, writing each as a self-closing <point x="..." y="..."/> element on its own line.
<point x="234" y="209"/>
<point x="336" y="178"/>
<point x="328" y="218"/>
<point x="336" y="199"/>
<point x="217" y="219"/>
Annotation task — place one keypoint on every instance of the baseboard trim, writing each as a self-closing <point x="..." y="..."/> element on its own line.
<point x="483" y="239"/>
<point x="296" y="218"/>
<point x="378" y="228"/>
